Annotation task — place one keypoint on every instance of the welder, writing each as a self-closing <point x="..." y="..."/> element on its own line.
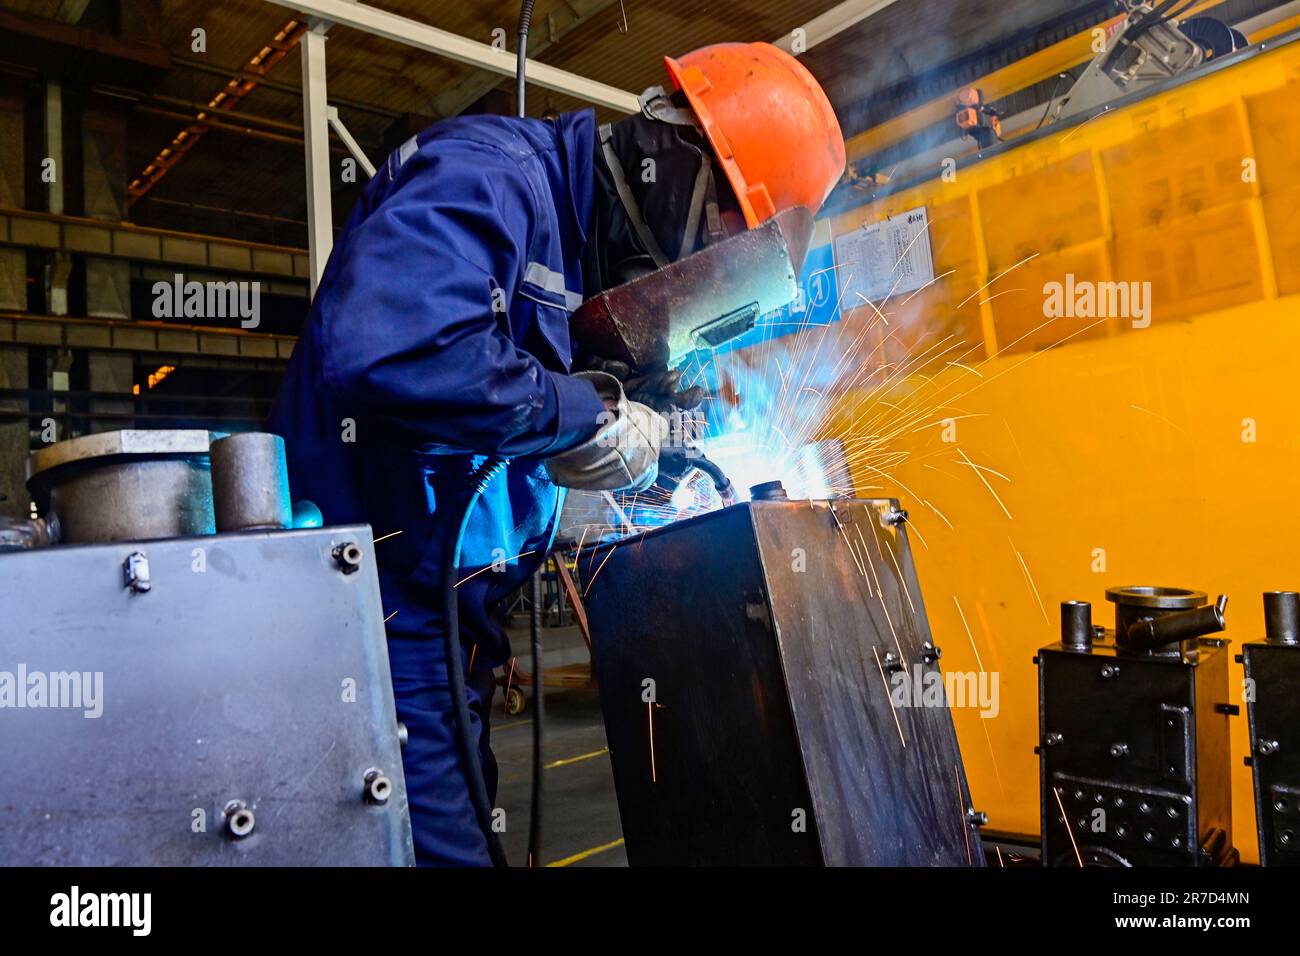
<point x="436" y="361"/>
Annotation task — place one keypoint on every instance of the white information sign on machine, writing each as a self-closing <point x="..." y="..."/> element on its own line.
<point x="884" y="258"/>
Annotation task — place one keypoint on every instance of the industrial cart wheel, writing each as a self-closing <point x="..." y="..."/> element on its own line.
<point x="516" y="702"/>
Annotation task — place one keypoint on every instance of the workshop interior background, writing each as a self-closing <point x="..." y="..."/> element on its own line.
<point x="1044" y="450"/>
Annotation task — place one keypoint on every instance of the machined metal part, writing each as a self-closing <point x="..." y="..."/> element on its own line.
<point x="250" y="483"/>
<point x="253" y="673"/>
<point x="135" y="572"/>
<point x="1134" y="744"/>
<point x="750" y="712"/>
<point x="701" y="301"/>
<point x="769" y="491"/>
<point x="125" y="485"/>
<point x="1272" y="669"/>
<point x="17" y="534"/>
<point x="1152" y="618"/>
<point x="1282" y="617"/>
<point x="1076" y="624"/>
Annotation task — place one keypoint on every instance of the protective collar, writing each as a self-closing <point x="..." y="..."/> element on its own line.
<point x="648" y="157"/>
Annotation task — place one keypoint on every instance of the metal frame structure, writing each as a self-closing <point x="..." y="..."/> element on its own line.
<point x="318" y="116"/>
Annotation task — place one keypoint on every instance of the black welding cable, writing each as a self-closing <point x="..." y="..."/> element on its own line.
<point x="535" y="809"/>
<point x="535" y="623"/>
<point x="469" y="753"/>
<point x="521" y="65"/>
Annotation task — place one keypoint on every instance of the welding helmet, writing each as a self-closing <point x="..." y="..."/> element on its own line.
<point x="690" y="279"/>
<point x="769" y="122"/>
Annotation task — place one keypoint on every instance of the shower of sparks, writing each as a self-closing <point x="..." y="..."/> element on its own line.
<point x="1161" y="418"/>
<point x="390" y="617"/>
<point x="391" y="534"/>
<point x="1068" y="829"/>
<point x="473" y="652"/>
<point x="969" y="635"/>
<point x="1030" y="578"/>
<point x="976" y="468"/>
<point x="996" y="278"/>
<point x="505" y="703"/>
<point x="489" y="567"/>
<point x="963" y="819"/>
<point x="902" y="579"/>
<point x="834" y="409"/>
<point x="861" y="570"/>
<point x="888" y="696"/>
<point x="587" y="589"/>
<point x="650" y="719"/>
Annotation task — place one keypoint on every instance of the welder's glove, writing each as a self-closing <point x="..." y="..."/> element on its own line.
<point x="623" y="455"/>
<point x="658" y="387"/>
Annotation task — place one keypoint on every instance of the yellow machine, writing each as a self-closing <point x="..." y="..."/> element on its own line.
<point x="1070" y="450"/>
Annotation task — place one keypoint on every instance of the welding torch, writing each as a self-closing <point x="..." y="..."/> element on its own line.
<point x="676" y="462"/>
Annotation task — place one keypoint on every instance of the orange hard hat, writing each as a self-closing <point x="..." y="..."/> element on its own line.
<point x="769" y="122"/>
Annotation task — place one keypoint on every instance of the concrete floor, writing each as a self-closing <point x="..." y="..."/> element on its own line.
<point x="580" y="824"/>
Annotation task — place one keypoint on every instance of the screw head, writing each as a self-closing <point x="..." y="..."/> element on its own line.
<point x="239" y="819"/>
<point x="348" y="556"/>
<point x="376" y="787"/>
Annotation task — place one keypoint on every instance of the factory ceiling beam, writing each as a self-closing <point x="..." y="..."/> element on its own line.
<point x="287" y="88"/>
<point x="421" y="36"/>
<point x="459" y="96"/>
<point x="228" y="98"/>
<point x="833" y="22"/>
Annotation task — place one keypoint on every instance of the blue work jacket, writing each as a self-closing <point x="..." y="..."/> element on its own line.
<point x="439" y="335"/>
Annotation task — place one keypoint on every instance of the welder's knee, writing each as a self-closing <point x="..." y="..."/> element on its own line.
<point x="443" y="822"/>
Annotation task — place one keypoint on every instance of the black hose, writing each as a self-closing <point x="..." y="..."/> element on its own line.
<point x="470" y="761"/>
<point x="535" y="810"/>
<point x="719" y="478"/>
<point x="521" y="65"/>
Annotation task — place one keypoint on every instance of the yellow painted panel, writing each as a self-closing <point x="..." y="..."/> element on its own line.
<point x="1282" y="213"/>
<point x="1178" y="170"/>
<point x="1050" y="208"/>
<point x="1194" y="265"/>
<point x="1018" y="305"/>
<point x="1276" y="130"/>
<point x="1166" y="454"/>
<point x="1126" y="464"/>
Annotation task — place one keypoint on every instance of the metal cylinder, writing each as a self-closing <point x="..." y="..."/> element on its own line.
<point x="125" y="486"/>
<point x="769" y="491"/>
<point x="250" y="483"/>
<point x="1282" y="617"/>
<point x="1076" y="624"/>
<point x="1136" y="605"/>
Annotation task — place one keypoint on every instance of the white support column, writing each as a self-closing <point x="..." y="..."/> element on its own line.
<point x="421" y="36"/>
<point x="316" y="145"/>
<point x="831" y="23"/>
<point x="54" y="143"/>
<point x="341" y="131"/>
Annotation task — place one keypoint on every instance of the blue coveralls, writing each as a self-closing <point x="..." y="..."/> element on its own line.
<point x="439" y="335"/>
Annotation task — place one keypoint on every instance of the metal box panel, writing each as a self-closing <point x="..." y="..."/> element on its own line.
<point x="1141" y="738"/>
<point x="254" y="669"/>
<point x="1274" y="711"/>
<point x="763" y="628"/>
